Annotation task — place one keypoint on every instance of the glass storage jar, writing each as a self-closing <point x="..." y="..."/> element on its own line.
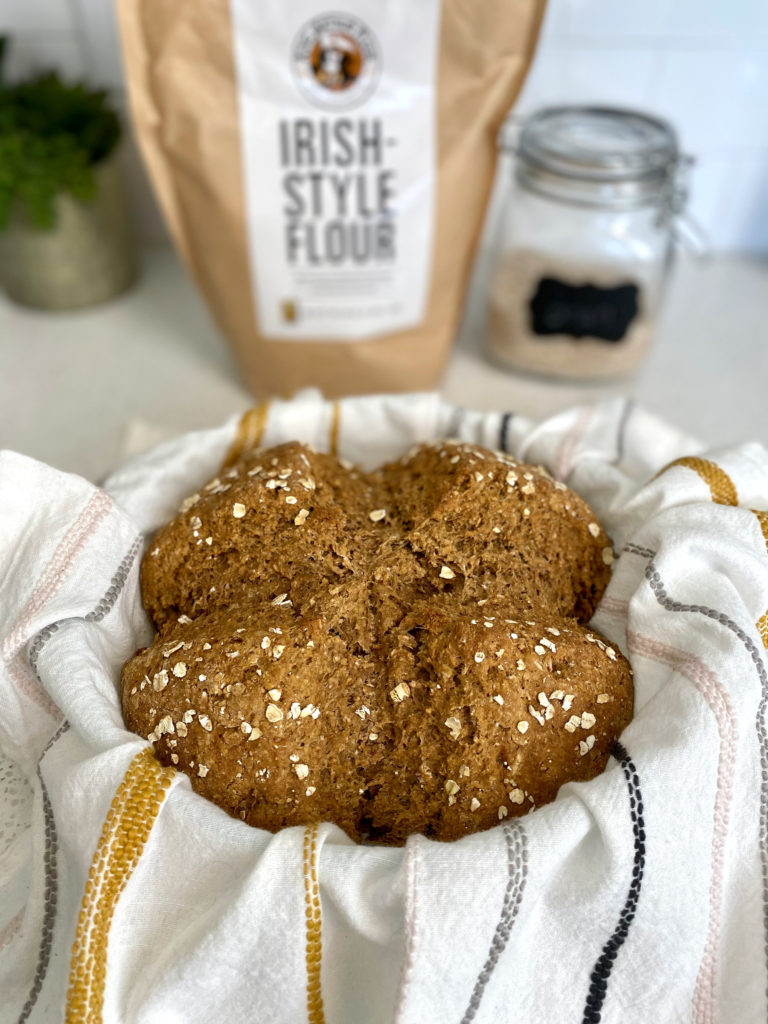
<point x="584" y="243"/>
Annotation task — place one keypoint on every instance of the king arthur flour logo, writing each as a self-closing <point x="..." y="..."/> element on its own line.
<point x="336" y="60"/>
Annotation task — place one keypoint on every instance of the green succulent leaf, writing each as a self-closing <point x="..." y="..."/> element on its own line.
<point x="51" y="136"/>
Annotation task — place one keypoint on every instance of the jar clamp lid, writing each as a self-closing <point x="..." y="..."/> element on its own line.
<point x="601" y="156"/>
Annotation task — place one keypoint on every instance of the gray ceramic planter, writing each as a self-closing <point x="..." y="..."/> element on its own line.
<point x="87" y="258"/>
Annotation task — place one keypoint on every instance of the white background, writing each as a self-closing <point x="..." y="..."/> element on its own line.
<point x="702" y="63"/>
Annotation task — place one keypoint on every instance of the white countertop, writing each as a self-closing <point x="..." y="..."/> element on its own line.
<point x="71" y="385"/>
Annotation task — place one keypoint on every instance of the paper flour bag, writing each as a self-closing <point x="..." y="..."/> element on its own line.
<point x="325" y="173"/>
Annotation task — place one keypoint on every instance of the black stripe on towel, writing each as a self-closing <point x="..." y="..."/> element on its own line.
<point x="598" y="982"/>
<point x="506" y="419"/>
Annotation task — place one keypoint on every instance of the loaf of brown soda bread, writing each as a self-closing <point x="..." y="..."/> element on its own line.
<point x="397" y="652"/>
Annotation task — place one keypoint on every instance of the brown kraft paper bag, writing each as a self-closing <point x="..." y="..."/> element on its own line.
<point x="324" y="174"/>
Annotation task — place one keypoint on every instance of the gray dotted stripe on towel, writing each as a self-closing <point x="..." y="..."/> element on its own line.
<point x="51" y="845"/>
<point x="50" y="883"/>
<point x="108" y="601"/>
<point x="517" y="872"/>
<point x="102" y="609"/>
<point x="637" y="549"/>
<point x="455" y="421"/>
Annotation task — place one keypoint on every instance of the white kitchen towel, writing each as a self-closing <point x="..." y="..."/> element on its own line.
<point x="639" y="896"/>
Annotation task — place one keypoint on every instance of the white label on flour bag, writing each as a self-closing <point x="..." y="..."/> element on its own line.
<point x="338" y="125"/>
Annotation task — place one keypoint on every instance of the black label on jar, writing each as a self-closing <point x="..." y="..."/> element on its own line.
<point x="583" y="311"/>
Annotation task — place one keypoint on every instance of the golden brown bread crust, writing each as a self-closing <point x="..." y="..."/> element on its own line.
<point x="210" y="551"/>
<point x="502" y="712"/>
<point x="396" y="652"/>
<point x="506" y="530"/>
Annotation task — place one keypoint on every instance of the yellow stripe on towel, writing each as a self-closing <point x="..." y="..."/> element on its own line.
<point x="333" y="442"/>
<point x="721" y="487"/>
<point x="762" y="622"/>
<point x="762" y="518"/>
<point x="314" y="918"/>
<point x="132" y="814"/>
<point x="762" y="628"/>
<point x="250" y="432"/>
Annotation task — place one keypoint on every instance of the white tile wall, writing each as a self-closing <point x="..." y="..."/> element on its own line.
<point x="717" y="99"/>
<point x="33" y="16"/>
<point x="701" y="63"/>
<point x="95" y="20"/>
<point x="40" y="51"/>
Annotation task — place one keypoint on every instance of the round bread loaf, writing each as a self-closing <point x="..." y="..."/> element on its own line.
<point x="396" y="652"/>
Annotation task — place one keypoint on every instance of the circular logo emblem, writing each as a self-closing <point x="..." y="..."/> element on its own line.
<point x="336" y="60"/>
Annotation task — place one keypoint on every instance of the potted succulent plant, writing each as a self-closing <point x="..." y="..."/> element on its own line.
<point x="64" y="229"/>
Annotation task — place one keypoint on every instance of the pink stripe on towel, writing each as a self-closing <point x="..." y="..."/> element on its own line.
<point x="11" y="930"/>
<point x="613" y="606"/>
<point x="706" y="682"/>
<point x="566" y="453"/>
<point x="50" y="580"/>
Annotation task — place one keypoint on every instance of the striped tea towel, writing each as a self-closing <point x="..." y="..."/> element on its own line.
<point x="641" y="896"/>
